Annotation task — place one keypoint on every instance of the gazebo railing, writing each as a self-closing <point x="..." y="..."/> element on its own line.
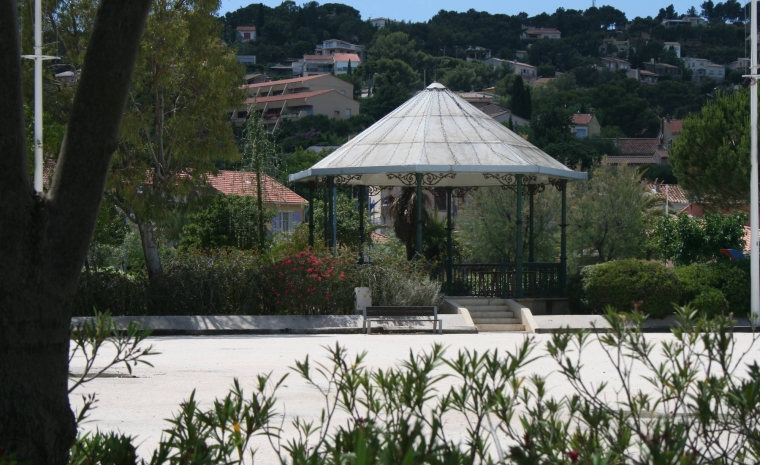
<point x="499" y="280"/>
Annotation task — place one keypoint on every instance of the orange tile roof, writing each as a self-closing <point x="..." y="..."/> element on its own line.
<point x="676" y="194"/>
<point x="675" y="126"/>
<point x="246" y="28"/>
<point x="635" y="160"/>
<point x="582" y="118"/>
<point x="644" y="72"/>
<point x="244" y="183"/>
<point x="632" y="146"/>
<point x="296" y="96"/>
<point x="346" y="57"/>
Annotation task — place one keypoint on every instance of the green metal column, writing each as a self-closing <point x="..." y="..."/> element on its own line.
<point x="449" y="258"/>
<point x="362" y="205"/>
<point x="563" y="243"/>
<point x="419" y="214"/>
<point x="326" y="214"/>
<point x="519" y="261"/>
<point x="311" y="214"/>
<point x="334" y="216"/>
<point x="531" y="249"/>
<point x="329" y="199"/>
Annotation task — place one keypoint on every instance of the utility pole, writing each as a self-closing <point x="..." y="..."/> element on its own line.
<point x="38" y="57"/>
<point x="753" y="198"/>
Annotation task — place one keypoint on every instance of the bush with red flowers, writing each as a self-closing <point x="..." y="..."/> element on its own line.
<point x="308" y="283"/>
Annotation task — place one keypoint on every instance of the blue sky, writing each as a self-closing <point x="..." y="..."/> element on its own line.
<point x="422" y="10"/>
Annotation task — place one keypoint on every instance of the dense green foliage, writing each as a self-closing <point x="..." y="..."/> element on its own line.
<point x="240" y="282"/>
<point x="649" y="286"/>
<point x="725" y="283"/>
<point x="711" y="158"/>
<point x="608" y="215"/>
<point x="685" y="239"/>
<point x="230" y="221"/>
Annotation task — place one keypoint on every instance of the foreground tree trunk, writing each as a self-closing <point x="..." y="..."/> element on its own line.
<point x="150" y="249"/>
<point x="44" y="238"/>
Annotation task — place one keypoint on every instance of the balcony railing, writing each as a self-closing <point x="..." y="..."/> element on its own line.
<point x="500" y="280"/>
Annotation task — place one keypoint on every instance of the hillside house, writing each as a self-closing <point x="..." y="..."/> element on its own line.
<point x="675" y="46"/>
<point x="335" y="46"/>
<point x="477" y="53"/>
<point x="292" y="106"/>
<point x="615" y="64"/>
<point x="644" y="76"/>
<point x="503" y="115"/>
<point x="530" y="32"/>
<point x="612" y="46"/>
<point x="298" y="85"/>
<point x="585" y="125"/>
<point x="336" y="63"/>
<point x="288" y="205"/>
<point x="642" y="151"/>
<point x="663" y="69"/>
<point x="380" y="22"/>
<point x="740" y="63"/>
<point x="526" y="71"/>
<point x="246" y="33"/>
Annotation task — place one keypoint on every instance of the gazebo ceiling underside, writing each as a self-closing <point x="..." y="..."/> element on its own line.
<point x="444" y="138"/>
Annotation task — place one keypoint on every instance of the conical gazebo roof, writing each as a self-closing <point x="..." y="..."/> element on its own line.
<point x="438" y="134"/>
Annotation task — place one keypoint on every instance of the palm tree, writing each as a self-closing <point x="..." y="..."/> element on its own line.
<point x="402" y="209"/>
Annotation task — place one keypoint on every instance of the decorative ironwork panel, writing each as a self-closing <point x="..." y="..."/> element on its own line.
<point x="461" y="191"/>
<point x="508" y="180"/>
<point x="431" y="179"/>
<point x="344" y="180"/>
<point x="375" y="190"/>
<point x="407" y="179"/>
<point x="558" y="184"/>
<point x="534" y="188"/>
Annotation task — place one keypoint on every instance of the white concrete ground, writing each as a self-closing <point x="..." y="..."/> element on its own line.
<point x="138" y="406"/>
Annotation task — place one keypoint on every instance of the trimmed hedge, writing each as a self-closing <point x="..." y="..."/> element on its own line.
<point x="625" y="284"/>
<point x="703" y="282"/>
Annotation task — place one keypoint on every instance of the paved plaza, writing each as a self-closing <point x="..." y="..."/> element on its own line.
<point x="139" y="405"/>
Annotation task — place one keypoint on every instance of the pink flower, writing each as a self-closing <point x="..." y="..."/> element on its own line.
<point x="574" y="454"/>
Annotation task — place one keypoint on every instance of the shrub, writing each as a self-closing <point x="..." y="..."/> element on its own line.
<point x="732" y="279"/>
<point x="576" y="299"/>
<point x="623" y="284"/>
<point x="309" y="284"/>
<point x="711" y="302"/>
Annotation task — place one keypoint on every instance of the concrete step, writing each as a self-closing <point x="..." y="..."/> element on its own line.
<point x="489" y="308"/>
<point x="467" y="301"/>
<point x="500" y="327"/>
<point x="487" y="321"/>
<point x="491" y="314"/>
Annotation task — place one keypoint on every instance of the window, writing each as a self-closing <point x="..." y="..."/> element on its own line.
<point x="348" y="112"/>
<point x="246" y="35"/>
<point x="581" y="133"/>
<point x="343" y="92"/>
<point x="286" y="221"/>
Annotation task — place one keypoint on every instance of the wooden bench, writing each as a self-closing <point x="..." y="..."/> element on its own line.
<point x="401" y="314"/>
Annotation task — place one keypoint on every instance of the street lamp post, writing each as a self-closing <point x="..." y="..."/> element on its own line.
<point x="753" y="198"/>
<point x="38" y="58"/>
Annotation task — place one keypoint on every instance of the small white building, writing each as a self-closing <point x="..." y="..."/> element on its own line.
<point x="675" y="46"/>
<point x="246" y="33"/>
<point x="380" y="22"/>
<point x="526" y="71"/>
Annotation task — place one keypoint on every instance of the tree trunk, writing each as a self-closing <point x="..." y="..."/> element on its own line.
<point x="44" y="238"/>
<point x="36" y="421"/>
<point x="150" y="249"/>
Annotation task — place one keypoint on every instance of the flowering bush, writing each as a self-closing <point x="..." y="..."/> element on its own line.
<point x="307" y="283"/>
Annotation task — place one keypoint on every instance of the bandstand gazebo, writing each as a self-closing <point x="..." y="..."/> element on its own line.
<point x="438" y="140"/>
